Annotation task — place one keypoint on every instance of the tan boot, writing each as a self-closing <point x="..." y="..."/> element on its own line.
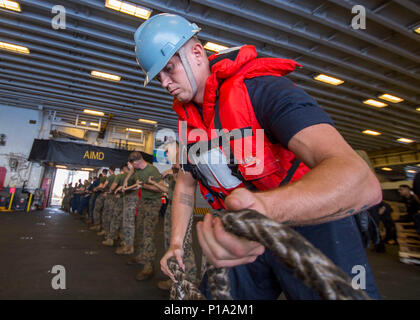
<point x="126" y="250"/>
<point x="108" y="242"/>
<point x="165" y="284"/>
<point x="120" y="249"/>
<point x="136" y="260"/>
<point x="146" y="273"/>
<point x="129" y="250"/>
<point x="95" y="228"/>
<point x="101" y="233"/>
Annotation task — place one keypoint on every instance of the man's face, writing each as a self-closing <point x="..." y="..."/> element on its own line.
<point x="137" y="164"/>
<point x="174" y="79"/>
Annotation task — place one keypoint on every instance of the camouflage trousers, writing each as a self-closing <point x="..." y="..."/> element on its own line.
<point x="146" y="222"/>
<point x="107" y="211"/>
<point x="128" y="223"/>
<point x="117" y="217"/>
<point x="63" y="203"/>
<point x="97" y="212"/>
<point x="189" y="257"/>
<point x="67" y="204"/>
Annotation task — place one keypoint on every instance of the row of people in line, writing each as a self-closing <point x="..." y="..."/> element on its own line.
<point x="126" y="207"/>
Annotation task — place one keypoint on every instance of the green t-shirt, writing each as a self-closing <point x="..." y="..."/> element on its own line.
<point x="110" y="180"/>
<point x="132" y="180"/>
<point x="143" y="175"/>
<point x="119" y="180"/>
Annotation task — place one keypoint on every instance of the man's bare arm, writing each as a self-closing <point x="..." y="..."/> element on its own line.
<point x="151" y="187"/>
<point x="129" y="174"/>
<point x="182" y="206"/>
<point x="160" y="185"/>
<point x="99" y="187"/>
<point x="105" y="184"/>
<point x="340" y="183"/>
<point x="114" y="185"/>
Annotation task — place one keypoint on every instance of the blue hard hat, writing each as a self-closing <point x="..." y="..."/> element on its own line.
<point x="158" y="39"/>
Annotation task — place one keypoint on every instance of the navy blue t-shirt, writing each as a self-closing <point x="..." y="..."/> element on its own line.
<point x="94" y="185"/>
<point x="282" y="108"/>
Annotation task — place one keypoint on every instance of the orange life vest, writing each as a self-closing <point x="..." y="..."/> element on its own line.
<point x="248" y="159"/>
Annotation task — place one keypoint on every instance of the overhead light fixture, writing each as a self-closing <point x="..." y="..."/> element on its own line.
<point x="375" y="103"/>
<point x="106" y="76"/>
<point x="405" y="140"/>
<point x="11" y="5"/>
<point x="128" y="8"/>
<point x="386" y="169"/>
<point x="418" y="109"/>
<point x="61" y="167"/>
<point x="93" y="112"/>
<point x="417" y="29"/>
<point x="88" y="169"/>
<point x="411" y="171"/>
<point x="372" y="133"/>
<point x="390" y="98"/>
<point x="147" y="121"/>
<point x="134" y="130"/>
<point x="211" y="46"/>
<point x="93" y="124"/>
<point x="13" y="47"/>
<point x="328" y="79"/>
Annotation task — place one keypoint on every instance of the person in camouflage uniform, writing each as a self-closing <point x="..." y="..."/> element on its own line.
<point x="93" y="197"/>
<point x="148" y="217"/>
<point x="130" y="201"/>
<point x="84" y="200"/>
<point x="99" y="202"/>
<point x="109" y="201"/>
<point x="168" y="186"/>
<point x="116" y="214"/>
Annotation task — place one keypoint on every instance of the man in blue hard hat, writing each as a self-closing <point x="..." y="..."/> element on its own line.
<point x="306" y="175"/>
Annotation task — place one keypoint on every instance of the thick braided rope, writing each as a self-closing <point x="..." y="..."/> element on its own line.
<point x="182" y="289"/>
<point x="310" y="265"/>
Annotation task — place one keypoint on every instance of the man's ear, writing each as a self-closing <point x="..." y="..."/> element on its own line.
<point x="198" y="52"/>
